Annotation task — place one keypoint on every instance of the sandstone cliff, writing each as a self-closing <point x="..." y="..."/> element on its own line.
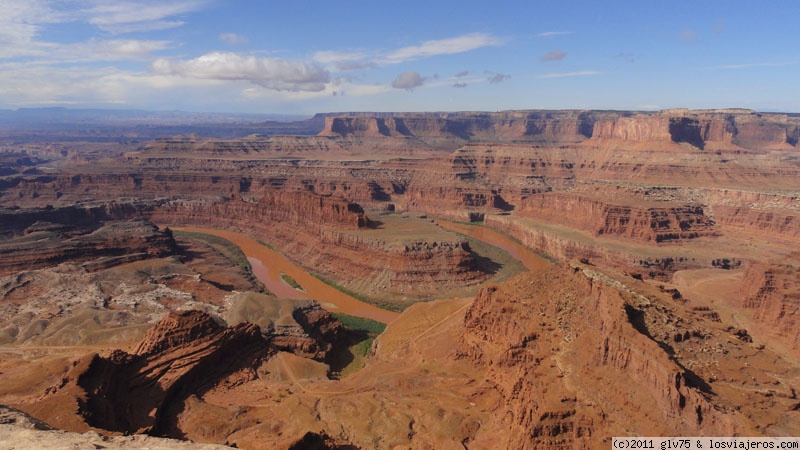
<point x="772" y="291"/>
<point x="656" y="223"/>
<point x="579" y="357"/>
<point x="184" y="355"/>
<point x="699" y="128"/>
<point x="330" y="236"/>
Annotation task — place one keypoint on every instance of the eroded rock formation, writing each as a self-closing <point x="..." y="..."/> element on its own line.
<point x="98" y="245"/>
<point x="772" y="291"/>
<point x="684" y="224"/>
<point x="578" y="357"/>
<point x="185" y="354"/>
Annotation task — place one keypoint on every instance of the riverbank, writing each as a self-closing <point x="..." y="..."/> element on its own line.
<point x="268" y="265"/>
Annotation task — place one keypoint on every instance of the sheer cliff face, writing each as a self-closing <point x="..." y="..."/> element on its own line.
<point x="569" y="126"/>
<point x="578" y="357"/>
<point x="717" y="128"/>
<point x="657" y="224"/>
<point x="772" y="292"/>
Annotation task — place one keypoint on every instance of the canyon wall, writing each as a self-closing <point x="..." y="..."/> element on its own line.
<point x="578" y="357"/>
<point x="700" y="128"/>
<point x="599" y="217"/>
<point x="330" y="237"/>
<point x="772" y="291"/>
<point x="54" y="236"/>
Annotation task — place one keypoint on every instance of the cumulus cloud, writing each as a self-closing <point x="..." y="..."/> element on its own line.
<point x="270" y="73"/>
<point x="408" y="81"/>
<point x="499" y="78"/>
<point x="555" y="55"/>
<point x="233" y="38"/>
<point x="462" y="74"/>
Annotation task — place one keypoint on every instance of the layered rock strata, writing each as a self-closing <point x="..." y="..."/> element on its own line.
<point x="578" y="357"/>
<point x="46" y="244"/>
<point x="699" y="128"/>
<point x="656" y="224"/>
<point x="185" y="354"/>
<point x="322" y="234"/>
<point x="772" y="291"/>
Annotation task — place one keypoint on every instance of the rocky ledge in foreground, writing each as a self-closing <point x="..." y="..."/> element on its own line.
<point x="183" y="356"/>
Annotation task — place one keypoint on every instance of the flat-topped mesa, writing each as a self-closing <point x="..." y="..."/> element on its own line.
<point x="704" y="129"/>
<point x="729" y="128"/>
<point x="444" y="129"/>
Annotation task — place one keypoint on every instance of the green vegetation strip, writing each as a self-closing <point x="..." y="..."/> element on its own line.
<point x="227" y="248"/>
<point x="542" y="255"/>
<point x="369" y="326"/>
<point x="380" y="304"/>
<point x="360" y="350"/>
<point x="291" y="281"/>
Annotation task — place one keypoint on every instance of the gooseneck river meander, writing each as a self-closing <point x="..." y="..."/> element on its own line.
<point x="268" y="264"/>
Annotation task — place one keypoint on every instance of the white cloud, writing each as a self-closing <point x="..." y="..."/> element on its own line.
<point x="121" y="17"/>
<point x="747" y="66"/>
<point x="346" y="60"/>
<point x="20" y="24"/>
<point x="554" y="33"/>
<point x="333" y="57"/>
<point x="365" y="59"/>
<point x="121" y="49"/>
<point x="408" y="81"/>
<point x="233" y="38"/>
<point x="449" y="46"/>
<point x="571" y="74"/>
<point x="270" y="73"/>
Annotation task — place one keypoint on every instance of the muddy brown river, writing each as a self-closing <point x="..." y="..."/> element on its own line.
<point x="268" y="265"/>
<point x="528" y="258"/>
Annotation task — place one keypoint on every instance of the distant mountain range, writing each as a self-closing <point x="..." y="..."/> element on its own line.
<point x="43" y="124"/>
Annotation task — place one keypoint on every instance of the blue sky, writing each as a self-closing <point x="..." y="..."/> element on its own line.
<point x="301" y="57"/>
